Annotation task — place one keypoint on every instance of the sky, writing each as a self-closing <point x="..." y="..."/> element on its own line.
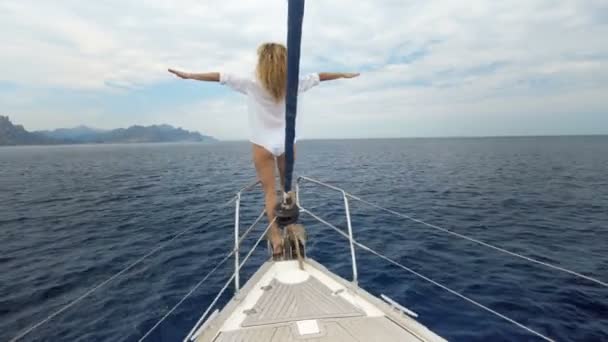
<point x="428" y="67"/>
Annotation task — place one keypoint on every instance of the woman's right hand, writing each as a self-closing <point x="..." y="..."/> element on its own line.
<point x="180" y="74"/>
<point x="350" y="74"/>
<point x="328" y="76"/>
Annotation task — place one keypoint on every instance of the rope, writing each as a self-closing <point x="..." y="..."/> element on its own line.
<point x="243" y="189"/>
<point x="242" y="238"/>
<point x="188" y="294"/>
<point x="295" y="16"/>
<point x="479" y="242"/>
<point x="217" y="297"/>
<point x="430" y="280"/>
<point x="203" y="280"/>
<point x="105" y="282"/>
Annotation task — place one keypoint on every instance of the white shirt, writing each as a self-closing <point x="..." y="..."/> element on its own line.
<point x="266" y="116"/>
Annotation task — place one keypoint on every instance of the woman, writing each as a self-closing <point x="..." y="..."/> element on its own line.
<point x="266" y="105"/>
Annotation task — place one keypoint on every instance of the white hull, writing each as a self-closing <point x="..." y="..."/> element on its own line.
<point x="283" y="303"/>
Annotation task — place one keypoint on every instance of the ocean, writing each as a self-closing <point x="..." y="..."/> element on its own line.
<point x="72" y="216"/>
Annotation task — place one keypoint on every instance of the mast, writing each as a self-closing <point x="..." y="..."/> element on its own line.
<point x="295" y="17"/>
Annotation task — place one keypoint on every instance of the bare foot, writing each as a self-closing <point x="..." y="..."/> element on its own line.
<point x="276" y="240"/>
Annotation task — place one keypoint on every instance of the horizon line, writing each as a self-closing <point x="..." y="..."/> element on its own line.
<point x="445" y="137"/>
<point x="318" y="139"/>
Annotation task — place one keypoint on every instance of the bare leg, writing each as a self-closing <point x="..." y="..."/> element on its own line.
<point x="265" y="164"/>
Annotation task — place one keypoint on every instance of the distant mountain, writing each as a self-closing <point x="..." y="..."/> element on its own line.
<point x="16" y="135"/>
<point x="155" y="133"/>
<point x="76" y="134"/>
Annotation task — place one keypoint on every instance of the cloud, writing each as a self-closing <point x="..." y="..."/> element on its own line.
<point x="427" y="65"/>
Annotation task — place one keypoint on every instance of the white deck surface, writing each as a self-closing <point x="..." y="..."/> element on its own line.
<point x="283" y="303"/>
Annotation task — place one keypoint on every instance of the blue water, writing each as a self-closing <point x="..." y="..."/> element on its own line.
<point x="71" y="216"/>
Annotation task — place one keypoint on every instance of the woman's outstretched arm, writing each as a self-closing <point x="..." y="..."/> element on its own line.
<point x="328" y="76"/>
<point x="206" y="76"/>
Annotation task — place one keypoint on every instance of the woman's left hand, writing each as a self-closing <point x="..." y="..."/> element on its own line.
<point x="180" y="74"/>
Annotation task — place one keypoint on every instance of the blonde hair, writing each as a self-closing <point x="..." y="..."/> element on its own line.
<point x="272" y="69"/>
